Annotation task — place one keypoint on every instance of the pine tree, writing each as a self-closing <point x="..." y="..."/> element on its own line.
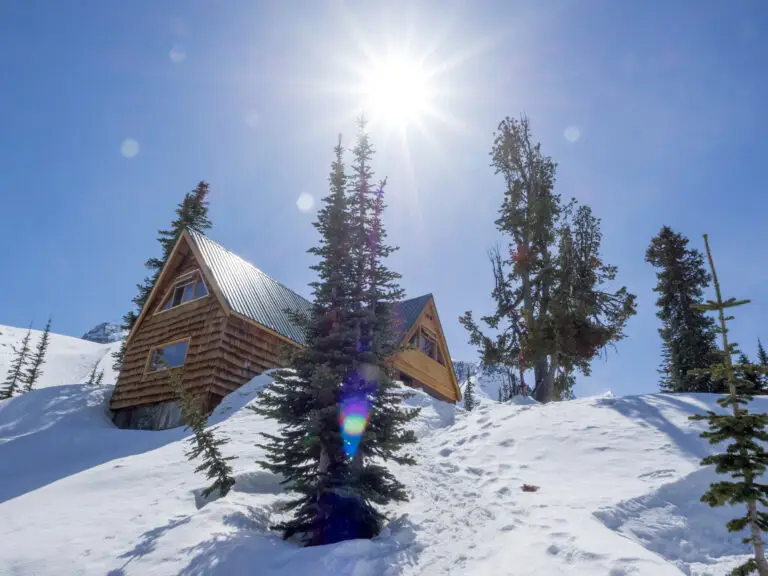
<point x="308" y="453"/>
<point x="745" y="459"/>
<point x="501" y="396"/>
<point x="15" y="378"/>
<point x="93" y="374"/>
<point x="551" y="307"/>
<point x="762" y="356"/>
<point x="204" y="441"/>
<point x="688" y="335"/>
<point x="564" y="383"/>
<point x="751" y="375"/>
<point x="343" y="376"/>
<point x="192" y="213"/>
<point x="96" y="376"/>
<point x="371" y="383"/>
<point x="34" y="370"/>
<point x="469" y="393"/>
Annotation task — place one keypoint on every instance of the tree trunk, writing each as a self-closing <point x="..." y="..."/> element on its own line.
<point x="757" y="539"/>
<point x="545" y="385"/>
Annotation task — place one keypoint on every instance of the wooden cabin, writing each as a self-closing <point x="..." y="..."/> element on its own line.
<point x="223" y="320"/>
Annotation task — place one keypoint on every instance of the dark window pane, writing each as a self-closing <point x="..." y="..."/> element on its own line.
<point x="178" y="292"/>
<point x="414" y="340"/>
<point x="427" y="345"/>
<point x="200" y="290"/>
<point x="169" y="356"/>
<point x="189" y="292"/>
<point x="440" y="357"/>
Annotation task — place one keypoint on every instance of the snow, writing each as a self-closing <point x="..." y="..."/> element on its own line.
<point x="69" y="360"/>
<point x="105" y="333"/>
<point x="618" y="493"/>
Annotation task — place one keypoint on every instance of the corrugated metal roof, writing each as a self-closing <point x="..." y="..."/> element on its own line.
<point x="405" y="313"/>
<point x="252" y="293"/>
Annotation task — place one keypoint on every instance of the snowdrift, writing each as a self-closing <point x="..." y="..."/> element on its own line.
<point x="618" y="486"/>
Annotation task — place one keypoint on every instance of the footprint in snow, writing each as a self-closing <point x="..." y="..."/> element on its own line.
<point x="445" y="452"/>
<point x="666" y="473"/>
<point x="508" y="443"/>
<point x="475" y="471"/>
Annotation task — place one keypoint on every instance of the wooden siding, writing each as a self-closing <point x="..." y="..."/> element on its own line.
<point x="429" y="372"/>
<point x="245" y="351"/>
<point x="200" y="320"/>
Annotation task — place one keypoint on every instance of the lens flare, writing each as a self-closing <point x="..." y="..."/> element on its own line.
<point x="354" y="418"/>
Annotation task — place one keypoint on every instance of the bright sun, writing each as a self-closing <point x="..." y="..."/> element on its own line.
<point x="396" y="91"/>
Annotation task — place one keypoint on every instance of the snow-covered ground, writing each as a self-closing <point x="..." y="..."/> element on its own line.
<point x="69" y="360"/>
<point x="619" y="487"/>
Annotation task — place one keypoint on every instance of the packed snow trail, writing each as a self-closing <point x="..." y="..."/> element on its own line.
<point x="618" y="479"/>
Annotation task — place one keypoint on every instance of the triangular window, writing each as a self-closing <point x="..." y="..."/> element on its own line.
<point x="187" y="288"/>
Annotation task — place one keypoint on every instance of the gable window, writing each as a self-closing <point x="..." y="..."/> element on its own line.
<point x="187" y="288"/>
<point x="414" y="341"/>
<point x="428" y="345"/>
<point x="170" y="356"/>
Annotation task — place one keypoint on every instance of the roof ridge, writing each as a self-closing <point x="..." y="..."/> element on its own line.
<point x="208" y="238"/>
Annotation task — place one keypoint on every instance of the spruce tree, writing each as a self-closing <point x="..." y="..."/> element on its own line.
<point x="469" y="393"/>
<point x="745" y="458"/>
<point x="688" y="335"/>
<point x="192" y="213"/>
<point x="762" y="356"/>
<point x="204" y="442"/>
<point x="34" y="370"/>
<point x="308" y="452"/>
<point x="370" y="384"/>
<point x="551" y="307"/>
<point x="14" y="381"/>
<point x="93" y="374"/>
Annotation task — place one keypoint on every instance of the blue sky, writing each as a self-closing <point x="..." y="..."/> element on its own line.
<point x="668" y="98"/>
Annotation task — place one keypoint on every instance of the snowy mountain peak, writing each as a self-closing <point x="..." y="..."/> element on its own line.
<point x="104" y="333"/>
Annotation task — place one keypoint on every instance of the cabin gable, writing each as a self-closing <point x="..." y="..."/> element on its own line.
<point x="427" y="362"/>
<point x="196" y="321"/>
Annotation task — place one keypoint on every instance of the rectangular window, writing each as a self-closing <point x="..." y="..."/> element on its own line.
<point x="170" y="356"/>
<point x="414" y="341"/>
<point x="428" y="345"/>
<point x="186" y="289"/>
<point x="440" y="358"/>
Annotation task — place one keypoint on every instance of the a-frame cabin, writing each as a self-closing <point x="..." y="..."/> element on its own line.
<point x="223" y="320"/>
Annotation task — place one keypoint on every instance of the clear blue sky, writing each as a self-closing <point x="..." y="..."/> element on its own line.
<point x="668" y="97"/>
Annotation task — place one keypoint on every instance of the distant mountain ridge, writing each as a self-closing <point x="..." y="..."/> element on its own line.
<point x="104" y="333"/>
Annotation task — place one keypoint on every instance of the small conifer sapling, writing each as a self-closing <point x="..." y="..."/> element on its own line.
<point x="203" y="442"/>
<point x="15" y="378"/>
<point x="34" y="371"/>
<point x="745" y="458"/>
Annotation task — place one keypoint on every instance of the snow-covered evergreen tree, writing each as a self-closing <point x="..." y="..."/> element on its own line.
<point x="745" y="458"/>
<point x="14" y="381"/>
<point x="34" y="370"/>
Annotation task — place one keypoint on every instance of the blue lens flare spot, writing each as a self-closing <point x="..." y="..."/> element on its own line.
<point x="354" y="418"/>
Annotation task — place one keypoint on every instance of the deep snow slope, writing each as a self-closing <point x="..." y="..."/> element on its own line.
<point x="618" y="479"/>
<point x="69" y="360"/>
